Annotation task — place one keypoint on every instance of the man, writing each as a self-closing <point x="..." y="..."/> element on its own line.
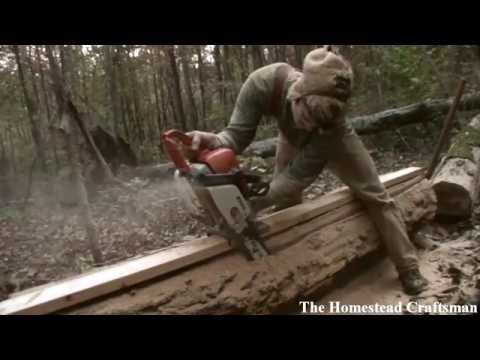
<point x="310" y="109"/>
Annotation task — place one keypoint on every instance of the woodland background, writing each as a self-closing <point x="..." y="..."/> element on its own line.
<point x="133" y="93"/>
<point x="136" y="91"/>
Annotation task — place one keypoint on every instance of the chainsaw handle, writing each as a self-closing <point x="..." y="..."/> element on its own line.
<point x="179" y="136"/>
<point x="171" y="139"/>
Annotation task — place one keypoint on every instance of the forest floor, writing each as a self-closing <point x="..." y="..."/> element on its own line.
<point x="46" y="242"/>
<point x="452" y="268"/>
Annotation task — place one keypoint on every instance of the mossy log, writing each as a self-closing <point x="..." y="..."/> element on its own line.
<point x="457" y="178"/>
<point x="423" y="112"/>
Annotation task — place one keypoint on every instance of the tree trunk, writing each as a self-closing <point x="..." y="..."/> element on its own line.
<point x="137" y="111"/>
<point x="258" y="58"/>
<point x="32" y="109"/>
<point x="46" y="101"/>
<point x="282" y="53"/>
<point x="79" y="186"/>
<point x="231" y="90"/>
<point x="127" y="113"/>
<point x="185" y="58"/>
<point x="163" y="95"/>
<point x="299" y="56"/>
<point x="13" y="158"/>
<point x="246" y="62"/>
<point x="66" y="105"/>
<point x="177" y="96"/>
<point x="84" y="70"/>
<point x="6" y="176"/>
<point x="241" y="58"/>
<point x="220" y="77"/>
<point x="456" y="182"/>
<point x="111" y="62"/>
<point x="476" y="53"/>
<point x="201" y="83"/>
<point x="159" y="112"/>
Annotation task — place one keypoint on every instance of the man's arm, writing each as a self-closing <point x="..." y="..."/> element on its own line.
<point x="252" y="103"/>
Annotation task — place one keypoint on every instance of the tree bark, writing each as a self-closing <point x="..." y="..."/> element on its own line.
<point x="424" y="112"/>
<point x="111" y="62"/>
<point x="220" y="76"/>
<point x="137" y="110"/>
<point x="158" y="108"/>
<point x="476" y="53"/>
<point x="177" y="96"/>
<point x="201" y="83"/>
<point x="245" y="62"/>
<point x="66" y="105"/>
<point x="298" y="56"/>
<point x="6" y="188"/>
<point x="185" y="57"/>
<point x="32" y="110"/>
<point x="282" y="53"/>
<point x="161" y="85"/>
<point x="46" y="101"/>
<point x="79" y="185"/>
<point x="456" y="180"/>
<point x="229" y="77"/>
<point x="258" y="58"/>
<point x="127" y="113"/>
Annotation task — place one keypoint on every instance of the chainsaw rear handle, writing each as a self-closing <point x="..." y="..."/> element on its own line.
<point x="171" y="139"/>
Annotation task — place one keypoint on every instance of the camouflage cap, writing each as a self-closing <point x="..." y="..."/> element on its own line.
<point x="325" y="73"/>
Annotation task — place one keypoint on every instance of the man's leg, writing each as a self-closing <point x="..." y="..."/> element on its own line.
<point x="292" y="177"/>
<point x="285" y="154"/>
<point x="351" y="161"/>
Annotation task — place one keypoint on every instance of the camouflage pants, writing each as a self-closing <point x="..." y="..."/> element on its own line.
<point x="344" y="153"/>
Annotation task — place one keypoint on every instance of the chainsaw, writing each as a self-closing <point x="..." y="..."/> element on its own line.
<point x="215" y="191"/>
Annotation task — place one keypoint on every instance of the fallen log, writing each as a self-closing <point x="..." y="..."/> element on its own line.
<point x="423" y="112"/>
<point x="231" y="285"/>
<point x="456" y="179"/>
<point x="73" y="291"/>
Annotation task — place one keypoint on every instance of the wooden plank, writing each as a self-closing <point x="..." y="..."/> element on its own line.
<point x="126" y="274"/>
<point x="123" y="275"/>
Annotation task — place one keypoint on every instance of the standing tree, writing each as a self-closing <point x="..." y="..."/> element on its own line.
<point x="177" y="90"/>
<point x="258" y="56"/>
<point x="217" y="57"/>
<point x="70" y="118"/>
<point x="201" y="83"/>
<point x="111" y="70"/>
<point x="185" y="58"/>
<point x="32" y="109"/>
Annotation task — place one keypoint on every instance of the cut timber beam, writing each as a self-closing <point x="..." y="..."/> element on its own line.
<point x="64" y="294"/>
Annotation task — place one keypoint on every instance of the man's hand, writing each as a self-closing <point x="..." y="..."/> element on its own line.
<point x="204" y="140"/>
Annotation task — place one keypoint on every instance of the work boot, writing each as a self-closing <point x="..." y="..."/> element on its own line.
<point x="413" y="282"/>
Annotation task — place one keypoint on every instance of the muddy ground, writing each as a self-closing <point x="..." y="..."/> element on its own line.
<point x="46" y="241"/>
<point x="452" y="267"/>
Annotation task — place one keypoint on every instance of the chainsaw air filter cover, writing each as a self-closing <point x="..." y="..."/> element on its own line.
<point x="221" y="161"/>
